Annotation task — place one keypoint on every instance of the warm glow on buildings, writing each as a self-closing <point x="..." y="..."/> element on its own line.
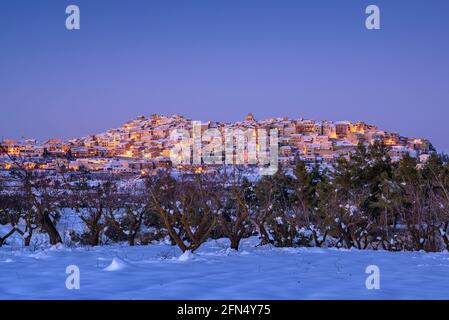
<point x="199" y="170"/>
<point x="146" y="143"/>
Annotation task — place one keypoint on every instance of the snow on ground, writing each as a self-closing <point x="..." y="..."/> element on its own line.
<point x="216" y="272"/>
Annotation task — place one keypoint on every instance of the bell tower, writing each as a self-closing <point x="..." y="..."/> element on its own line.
<point x="250" y="117"/>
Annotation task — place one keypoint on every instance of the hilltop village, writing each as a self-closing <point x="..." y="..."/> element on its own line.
<point x="142" y="145"/>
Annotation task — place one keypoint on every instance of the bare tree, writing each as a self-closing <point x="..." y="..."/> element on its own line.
<point x="185" y="205"/>
<point x="40" y="196"/>
<point x="10" y="211"/>
<point x="353" y="222"/>
<point x="440" y="201"/>
<point x="136" y="208"/>
<point x="343" y="216"/>
<point x="419" y="216"/>
<point x="96" y="204"/>
<point x="235" y="197"/>
<point x="274" y="217"/>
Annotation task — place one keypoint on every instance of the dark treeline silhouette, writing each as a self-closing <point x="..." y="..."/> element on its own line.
<point x="367" y="202"/>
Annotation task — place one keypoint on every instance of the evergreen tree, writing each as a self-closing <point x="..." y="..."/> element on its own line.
<point x="305" y="186"/>
<point x="46" y="153"/>
<point x="69" y="155"/>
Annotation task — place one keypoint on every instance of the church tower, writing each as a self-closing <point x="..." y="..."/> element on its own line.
<point x="250" y="117"/>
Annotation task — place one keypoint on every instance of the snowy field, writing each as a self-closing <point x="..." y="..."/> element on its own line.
<point x="214" y="272"/>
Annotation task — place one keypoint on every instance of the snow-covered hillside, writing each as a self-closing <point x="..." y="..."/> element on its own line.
<point x="215" y="272"/>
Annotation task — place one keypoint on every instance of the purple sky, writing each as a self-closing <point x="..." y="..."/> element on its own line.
<point x="218" y="60"/>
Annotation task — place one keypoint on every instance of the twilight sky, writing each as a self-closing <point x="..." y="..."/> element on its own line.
<point x="220" y="59"/>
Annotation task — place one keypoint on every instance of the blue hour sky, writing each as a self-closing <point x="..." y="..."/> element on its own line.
<point x="219" y="60"/>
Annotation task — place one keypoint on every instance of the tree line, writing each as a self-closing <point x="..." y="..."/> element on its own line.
<point x="366" y="202"/>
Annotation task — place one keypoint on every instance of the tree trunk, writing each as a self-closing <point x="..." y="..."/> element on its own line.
<point x="173" y="235"/>
<point x="95" y="239"/>
<point x="235" y="241"/>
<point x="131" y="239"/>
<point x="28" y="238"/>
<point x="264" y="234"/>
<point x="3" y="239"/>
<point x="51" y="230"/>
